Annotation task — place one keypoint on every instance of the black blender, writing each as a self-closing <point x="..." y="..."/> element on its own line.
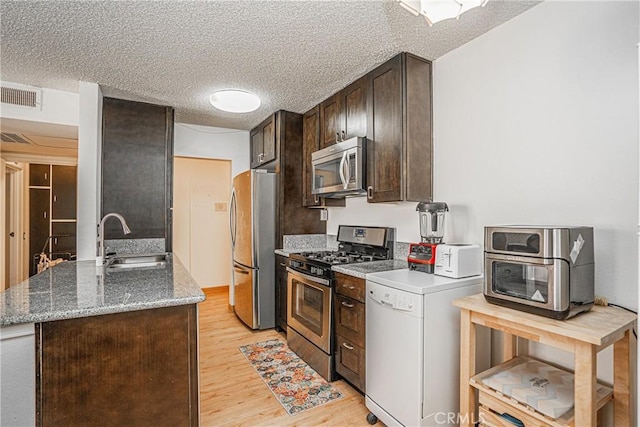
<point x="422" y="256"/>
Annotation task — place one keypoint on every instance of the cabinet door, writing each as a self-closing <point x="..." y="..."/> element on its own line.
<point x="137" y="160"/>
<point x="38" y="223"/>
<point x="256" y="147"/>
<point x="310" y="143"/>
<point x="63" y="192"/>
<point x="385" y="137"/>
<point x="330" y="121"/>
<point x="63" y="238"/>
<point x="263" y="143"/>
<point x="39" y="175"/>
<point x="354" y="108"/>
<point x="281" y="292"/>
<point x="350" y="362"/>
<point x="418" y="130"/>
<point x="349" y="317"/>
<point x="351" y="287"/>
<point x="138" y="368"/>
<point x="269" y="141"/>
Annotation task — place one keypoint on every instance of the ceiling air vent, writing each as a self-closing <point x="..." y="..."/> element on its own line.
<point x="22" y="97"/>
<point x="14" y="138"/>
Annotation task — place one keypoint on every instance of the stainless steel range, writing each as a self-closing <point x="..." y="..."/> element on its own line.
<point x="310" y="291"/>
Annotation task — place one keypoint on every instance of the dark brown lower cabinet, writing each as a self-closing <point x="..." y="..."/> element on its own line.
<point x="281" y="292"/>
<point x="137" y="368"/>
<point x="349" y="315"/>
<point x="39" y="217"/>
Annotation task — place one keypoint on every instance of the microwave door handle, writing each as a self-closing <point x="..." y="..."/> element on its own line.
<point x="341" y="168"/>
<point x="347" y="164"/>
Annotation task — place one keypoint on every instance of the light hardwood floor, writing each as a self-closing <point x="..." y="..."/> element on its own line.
<point x="233" y="394"/>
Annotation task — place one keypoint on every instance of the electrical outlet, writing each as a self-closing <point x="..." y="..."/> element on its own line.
<point x="324" y="214"/>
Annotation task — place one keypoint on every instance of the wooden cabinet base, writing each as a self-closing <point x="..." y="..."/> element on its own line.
<point x="134" y="368"/>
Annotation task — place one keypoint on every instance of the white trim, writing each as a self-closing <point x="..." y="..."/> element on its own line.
<point x="40" y="158"/>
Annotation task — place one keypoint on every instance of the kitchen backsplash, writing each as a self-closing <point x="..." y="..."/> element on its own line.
<point x="300" y="242"/>
<point x="134" y="246"/>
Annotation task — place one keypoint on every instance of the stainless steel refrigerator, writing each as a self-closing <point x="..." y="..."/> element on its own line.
<point x="252" y="226"/>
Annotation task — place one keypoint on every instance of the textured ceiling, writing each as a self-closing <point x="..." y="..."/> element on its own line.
<point x="293" y="54"/>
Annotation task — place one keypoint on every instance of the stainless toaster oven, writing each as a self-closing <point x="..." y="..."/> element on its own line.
<point x="545" y="270"/>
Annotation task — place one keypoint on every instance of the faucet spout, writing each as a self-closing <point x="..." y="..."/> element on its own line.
<point x="125" y="230"/>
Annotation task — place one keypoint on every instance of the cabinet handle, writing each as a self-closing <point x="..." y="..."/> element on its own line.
<point x="347" y="346"/>
<point x="337" y="136"/>
<point x="55" y="240"/>
<point x="344" y="134"/>
<point x="346" y="304"/>
<point x="370" y="192"/>
<point x="55" y="199"/>
<point x="44" y="214"/>
<point x="350" y="287"/>
<point x="46" y="176"/>
<point x="282" y="264"/>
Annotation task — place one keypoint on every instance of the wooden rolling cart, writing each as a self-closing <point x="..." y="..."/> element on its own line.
<point x="584" y="336"/>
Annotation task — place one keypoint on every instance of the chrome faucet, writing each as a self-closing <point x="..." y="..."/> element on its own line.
<point x="125" y="229"/>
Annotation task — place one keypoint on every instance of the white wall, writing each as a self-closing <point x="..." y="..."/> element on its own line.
<point x="213" y="143"/>
<point x="537" y="122"/>
<point x="58" y="107"/>
<point x="89" y="149"/>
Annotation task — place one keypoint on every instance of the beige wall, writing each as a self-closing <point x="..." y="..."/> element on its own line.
<point x="202" y="189"/>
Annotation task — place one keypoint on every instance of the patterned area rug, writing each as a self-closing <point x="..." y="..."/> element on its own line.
<point x="296" y="385"/>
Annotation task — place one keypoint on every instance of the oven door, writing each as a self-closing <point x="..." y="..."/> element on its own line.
<point x="309" y="308"/>
<point x="538" y="282"/>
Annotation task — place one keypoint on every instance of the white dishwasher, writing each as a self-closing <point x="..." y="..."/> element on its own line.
<point x="413" y="347"/>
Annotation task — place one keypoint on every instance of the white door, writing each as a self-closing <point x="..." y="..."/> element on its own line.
<point x="201" y="239"/>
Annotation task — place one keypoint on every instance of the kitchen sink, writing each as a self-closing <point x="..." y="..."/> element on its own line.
<point x="137" y="261"/>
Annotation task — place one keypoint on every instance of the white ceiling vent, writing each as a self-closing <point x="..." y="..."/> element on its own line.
<point x="14" y="138"/>
<point x="23" y="96"/>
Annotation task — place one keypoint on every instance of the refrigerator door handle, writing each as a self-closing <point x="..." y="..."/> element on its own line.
<point x="240" y="265"/>
<point x="241" y="271"/>
<point x="233" y="218"/>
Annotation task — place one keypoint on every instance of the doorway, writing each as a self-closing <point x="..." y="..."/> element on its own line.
<point x="12" y="224"/>
<point x="201" y="239"/>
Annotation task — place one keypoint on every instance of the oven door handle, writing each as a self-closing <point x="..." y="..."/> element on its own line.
<point x="319" y="280"/>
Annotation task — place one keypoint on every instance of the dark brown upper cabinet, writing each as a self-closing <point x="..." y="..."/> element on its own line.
<point x="344" y="115"/>
<point x="63" y="192"/>
<point x="292" y="216"/>
<point x="399" y="131"/>
<point x="137" y="168"/>
<point x="263" y="144"/>
<point x="39" y="175"/>
<point x="311" y="143"/>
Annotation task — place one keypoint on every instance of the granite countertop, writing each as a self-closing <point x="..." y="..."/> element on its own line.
<point x="75" y="289"/>
<point x="361" y="269"/>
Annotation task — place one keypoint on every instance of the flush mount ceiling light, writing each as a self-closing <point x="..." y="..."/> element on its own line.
<point x="439" y="10"/>
<point x="234" y="101"/>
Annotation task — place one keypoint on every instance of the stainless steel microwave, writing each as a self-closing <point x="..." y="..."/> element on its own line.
<point x="545" y="270"/>
<point x="339" y="170"/>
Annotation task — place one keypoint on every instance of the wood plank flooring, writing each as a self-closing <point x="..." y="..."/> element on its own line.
<point x="233" y="394"/>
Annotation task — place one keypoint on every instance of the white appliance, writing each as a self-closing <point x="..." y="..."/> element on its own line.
<point x="413" y="347"/>
<point x="458" y="260"/>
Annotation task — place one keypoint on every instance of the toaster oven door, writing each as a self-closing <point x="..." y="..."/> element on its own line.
<point x="542" y="283"/>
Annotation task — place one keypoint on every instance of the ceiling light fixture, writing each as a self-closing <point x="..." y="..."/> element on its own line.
<point x="439" y="10"/>
<point x="235" y="101"/>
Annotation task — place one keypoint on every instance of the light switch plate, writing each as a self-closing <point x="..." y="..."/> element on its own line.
<point x="324" y="214"/>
